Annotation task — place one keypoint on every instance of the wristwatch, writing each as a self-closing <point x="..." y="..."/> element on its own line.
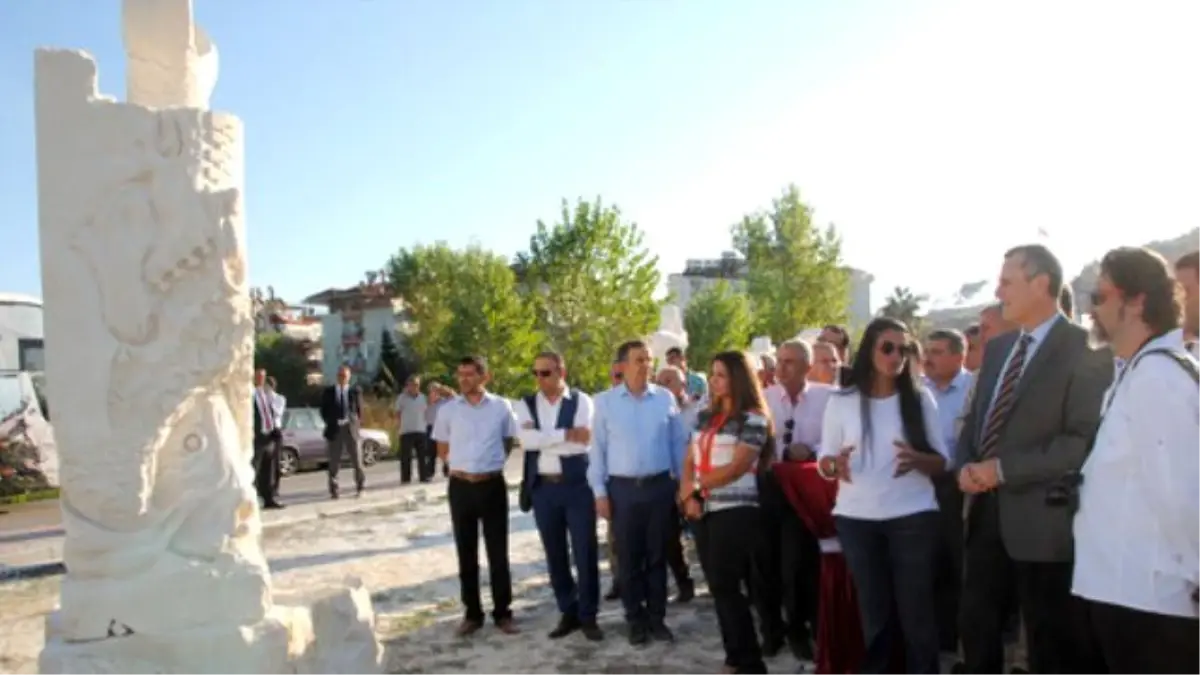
<point x="698" y="495"/>
<point x="827" y="467"/>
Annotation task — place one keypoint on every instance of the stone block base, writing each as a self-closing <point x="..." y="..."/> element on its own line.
<point x="335" y="634"/>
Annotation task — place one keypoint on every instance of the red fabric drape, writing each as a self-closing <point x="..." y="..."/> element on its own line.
<point x="839" y="628"/>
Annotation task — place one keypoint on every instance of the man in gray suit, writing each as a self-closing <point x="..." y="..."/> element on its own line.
<point x="1024" y="439"/>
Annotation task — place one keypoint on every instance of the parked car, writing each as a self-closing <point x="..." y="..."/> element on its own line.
<point x="304" y="445"/>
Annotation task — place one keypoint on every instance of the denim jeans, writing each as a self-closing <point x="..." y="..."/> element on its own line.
<point x="892" y="565"/>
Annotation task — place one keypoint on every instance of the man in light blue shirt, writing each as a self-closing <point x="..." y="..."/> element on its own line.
<point x="474" y="435"/>
<point x="638" y="444"/>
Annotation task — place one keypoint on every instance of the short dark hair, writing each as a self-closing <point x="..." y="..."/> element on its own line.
<point x="628" y="346"/>
<point x="842" y="332"/>
<point x="674" y="351"/>
<point x="553" y="356"/>
<point x="956" y="340"/>
<point x="972" y="331"/>
<point x="480" y="363"/>
<point x="1188" y="261"/>
<point x="1066" y="301"/>
<point x="1036" y="259"/>
<point x="1138" y="271"/>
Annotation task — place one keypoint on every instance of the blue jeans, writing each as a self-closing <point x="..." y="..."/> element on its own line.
<point x="892" y="564"/>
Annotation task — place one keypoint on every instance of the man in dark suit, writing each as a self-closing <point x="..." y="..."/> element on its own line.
<point x="341" y="409"/>
<point x="1024" y="438"/>
<point x="267" y="435"/>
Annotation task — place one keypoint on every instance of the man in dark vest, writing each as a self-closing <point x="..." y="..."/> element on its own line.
<point x="555" y="430"/>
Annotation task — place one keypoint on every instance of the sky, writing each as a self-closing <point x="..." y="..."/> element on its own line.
<point x="933" y="133"/>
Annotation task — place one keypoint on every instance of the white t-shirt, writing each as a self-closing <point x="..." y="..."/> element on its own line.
<point x="874" y="493"/>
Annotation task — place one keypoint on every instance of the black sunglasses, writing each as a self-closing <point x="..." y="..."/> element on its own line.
<point x="887" y="348"/>
<point x="787" y="434"/>
<point x="542" y="373"/>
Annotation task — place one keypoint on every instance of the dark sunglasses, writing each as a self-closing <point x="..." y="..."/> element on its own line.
<point x="787" y="434"/>
<point x="542" y="373"/>
<point x="887" y="348"/>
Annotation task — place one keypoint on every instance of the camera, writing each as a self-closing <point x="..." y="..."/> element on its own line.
<point x="1065" y="492"/>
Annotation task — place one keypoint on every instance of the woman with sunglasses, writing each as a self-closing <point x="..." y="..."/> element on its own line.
<point x="719" y="493"/>
<point x="880" y="439"/>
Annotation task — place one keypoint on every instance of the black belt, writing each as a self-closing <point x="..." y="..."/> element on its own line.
<point x="639" y="481"/>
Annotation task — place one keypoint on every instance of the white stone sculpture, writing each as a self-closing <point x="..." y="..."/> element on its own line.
<point x="149" y="334"/>
<point x="670" y="333"/>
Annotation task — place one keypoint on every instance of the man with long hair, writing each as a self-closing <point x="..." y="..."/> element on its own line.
<point x="1137" y="531"/>
<point x="1024" y="438"/>
<point x="636" y="458"/>
<point x="719" y="493"/>
<point x="1187" y="273"/>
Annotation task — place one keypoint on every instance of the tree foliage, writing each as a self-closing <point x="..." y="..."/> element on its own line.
<point x="465" y="302"/>
<point x="904" y="305"/>
<point x="286" y="360"/>
<point x="717" y="318"/>
<point x="795" y="278"/>
<point x="394" y="369"/>
<point x="591" y="282"/>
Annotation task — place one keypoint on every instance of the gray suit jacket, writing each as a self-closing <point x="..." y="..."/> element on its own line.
<point x="1049" y="434"/>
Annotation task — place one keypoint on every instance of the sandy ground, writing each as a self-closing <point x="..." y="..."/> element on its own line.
<point x="405" y="555"/>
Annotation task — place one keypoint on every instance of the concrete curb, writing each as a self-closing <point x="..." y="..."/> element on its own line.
<point x="293" y="515"/>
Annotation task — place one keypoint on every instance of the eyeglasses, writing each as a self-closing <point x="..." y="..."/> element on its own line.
<point x="542" y="373"/>
<point x="788" y="427"/>
<point x="887" y="348"/>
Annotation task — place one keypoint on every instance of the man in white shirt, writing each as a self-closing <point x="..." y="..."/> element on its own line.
<point x="788" y="570"/>
<point x="1137" y="531"/>
<point x="1187" y="273"/>
<point x="267" y="435"/>
<point x="554" y="426"/>
<point x="409" y="412"/>
<point x="278" y="407"/>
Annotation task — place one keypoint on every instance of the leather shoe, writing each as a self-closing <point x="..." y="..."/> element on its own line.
<point x="273" y="505"/>
<point x="569" y="623"/>
<point x="639" y="634"/>
<point x="660" y="632"/>
<point x="614" y="593"/>
<point x="687" y="591"/>
<point x="507" y="626"/>
<point x="467" y="627"/>
<point x="591" y="631"/>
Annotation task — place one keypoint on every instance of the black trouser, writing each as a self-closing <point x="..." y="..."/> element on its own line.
<point x="1133" y="641"/>
<point x="414" y="445"/>
<point x="787" y="569"/>
<point x="472" y="503"/>
<point x="643" y="512"/>
<point x="266" y="466"/>
<point x="726" y="541"/>
<point x="948" y="570"/>
<point x="675" y="558"/>
<point x="432" y="445"/>
<point x="891" y="563"/>
<point x="1057" y="638"/>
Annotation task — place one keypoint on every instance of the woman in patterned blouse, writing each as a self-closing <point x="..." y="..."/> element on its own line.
<point x="719" y="492"/>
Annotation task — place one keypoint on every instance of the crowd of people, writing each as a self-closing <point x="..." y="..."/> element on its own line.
<point x="882" y="506"/>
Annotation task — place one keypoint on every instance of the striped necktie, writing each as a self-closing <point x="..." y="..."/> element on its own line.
<point x="1006" y="396"/>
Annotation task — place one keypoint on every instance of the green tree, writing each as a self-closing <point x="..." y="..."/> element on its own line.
<point x="591" y="281"/>
<point x="904" y="305"/>
<point x="394" y="369"/>
<point x="794" y="273"/>
<point x="285" y="359"/>
<point x="465" y="302"/>
<point x="718" y="318"/>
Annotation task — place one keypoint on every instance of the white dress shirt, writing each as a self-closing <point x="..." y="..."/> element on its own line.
<point x="552" y="443"/>
<point x="1137" y="531"/>
<point x="806" y="415"/>
<point x="874" y="491"/>
<point x="278" y="406"/>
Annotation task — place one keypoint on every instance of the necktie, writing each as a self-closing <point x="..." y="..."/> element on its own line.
<point x="266" y="412"/>
<point x="1005" y="398"/>
<point x="345" y="408"/>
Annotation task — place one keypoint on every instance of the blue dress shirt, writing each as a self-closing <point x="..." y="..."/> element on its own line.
<point x="635" y="436"/>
